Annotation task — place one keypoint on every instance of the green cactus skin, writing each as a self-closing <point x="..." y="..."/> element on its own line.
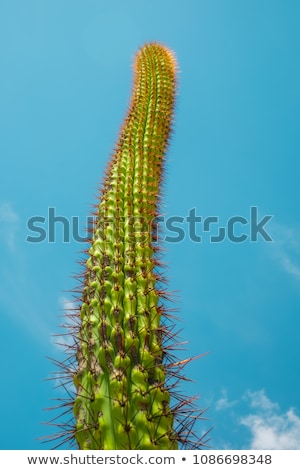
<point x="122" y="402"/>
<point x="124" y="368"/>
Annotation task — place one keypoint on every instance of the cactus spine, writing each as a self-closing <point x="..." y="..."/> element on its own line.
<point x="123" y="366"/>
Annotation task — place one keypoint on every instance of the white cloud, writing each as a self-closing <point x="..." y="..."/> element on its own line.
<point x="260" y="400"/>
<point x="66" y="340"/>
<point x="65" y="344"/>
<point x="67" y="305"/>
<point x="286" y="249"/>
<point x="290" y="266"/>
<point x="9" y="223"/>
<point x="7" y="214"/>
<point x="269" y="428"/>
<point x="223" y="403"/>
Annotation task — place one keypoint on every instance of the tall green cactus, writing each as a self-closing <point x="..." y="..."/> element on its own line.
<point x="124" y="374"/>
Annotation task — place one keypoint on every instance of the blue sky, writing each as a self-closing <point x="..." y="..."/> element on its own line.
<point x="65" y="85"/>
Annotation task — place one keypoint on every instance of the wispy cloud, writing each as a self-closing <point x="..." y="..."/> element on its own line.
<point x="223" y="403"/>
<point x="65" y="340"/>
<point x="18" y="297"/>
<point x="65" y="345"/>
<point x="260" y="400"/>
<point x="271" y="429"/>
<point x="290" y="266"/>
<point x="286" y="249"/>
<point x="9" y="224"/>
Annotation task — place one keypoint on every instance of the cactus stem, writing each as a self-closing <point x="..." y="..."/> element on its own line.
<point x="120" y="372"/>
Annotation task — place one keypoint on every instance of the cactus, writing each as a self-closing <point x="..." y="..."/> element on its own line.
<point x="121" y="362"/>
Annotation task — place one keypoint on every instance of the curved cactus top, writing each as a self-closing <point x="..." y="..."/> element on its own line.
<point x="124" y="370"/>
